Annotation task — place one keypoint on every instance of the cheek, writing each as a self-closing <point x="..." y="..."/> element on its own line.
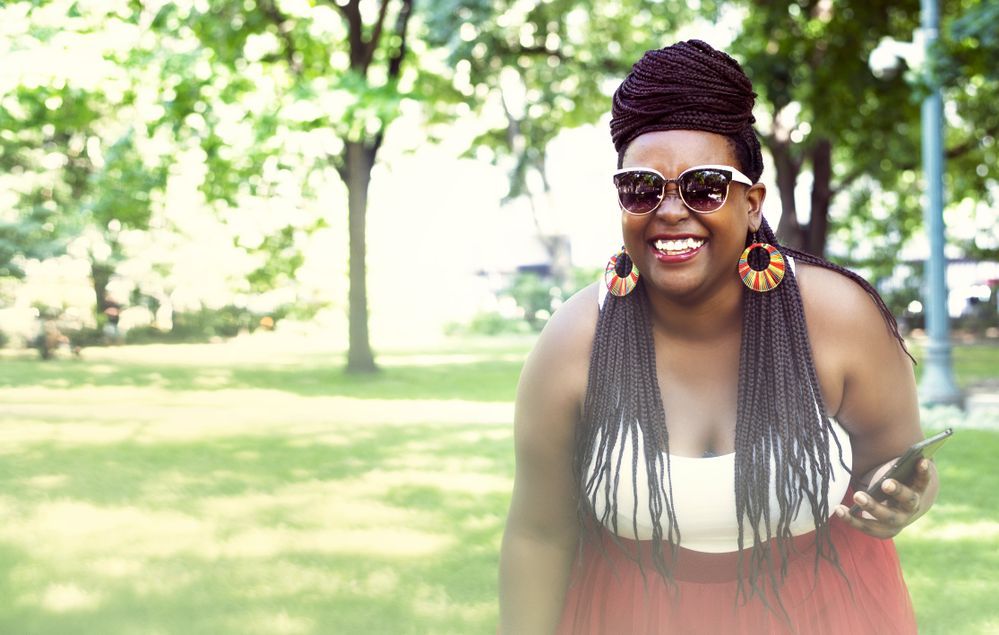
<point x="632" y="230"/>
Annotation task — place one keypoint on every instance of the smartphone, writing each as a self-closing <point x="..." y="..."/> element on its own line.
<point x="906" y="465"/>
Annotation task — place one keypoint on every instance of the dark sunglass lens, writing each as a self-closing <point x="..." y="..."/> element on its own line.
<point x="639" y="192"/>
<point x="704" y="190"/>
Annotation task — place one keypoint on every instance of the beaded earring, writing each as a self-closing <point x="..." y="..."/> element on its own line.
<point x="621" y="274"/>
<point x="769" y="275"/>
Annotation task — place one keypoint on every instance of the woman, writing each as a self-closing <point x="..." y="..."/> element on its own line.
<point x="689" y="433"/>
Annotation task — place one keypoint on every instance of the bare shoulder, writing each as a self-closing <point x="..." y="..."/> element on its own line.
<point x="861" y="364"/>
<point x="553" y="381"/>
<point x="564" y="344"/>
<point x="835" y="304"/>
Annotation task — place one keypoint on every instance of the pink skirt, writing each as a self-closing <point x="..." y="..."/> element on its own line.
<point x="608" y="595"/>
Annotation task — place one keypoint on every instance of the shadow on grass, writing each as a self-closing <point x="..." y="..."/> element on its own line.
<point x="112" y="473"/>
<point x="61" y="578"/>
<point x="474" y="381"/>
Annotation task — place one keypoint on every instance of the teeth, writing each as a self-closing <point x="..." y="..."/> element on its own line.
<point x="678" y="246"/>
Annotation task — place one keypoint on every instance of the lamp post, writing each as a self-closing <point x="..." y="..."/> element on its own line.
<point x="937" y="385"/>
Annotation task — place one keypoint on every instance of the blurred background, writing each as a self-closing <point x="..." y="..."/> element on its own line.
<point x="269" y="268"/>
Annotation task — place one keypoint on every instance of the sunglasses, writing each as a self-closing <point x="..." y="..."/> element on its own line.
<point x="702" y="188"/>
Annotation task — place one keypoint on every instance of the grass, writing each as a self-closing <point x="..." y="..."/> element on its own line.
<point x="257" y="489"/>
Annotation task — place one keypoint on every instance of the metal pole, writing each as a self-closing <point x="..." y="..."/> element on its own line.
<point x="937" y="384"/>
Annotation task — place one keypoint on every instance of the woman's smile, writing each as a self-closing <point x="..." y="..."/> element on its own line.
<point x="675" y="249"/>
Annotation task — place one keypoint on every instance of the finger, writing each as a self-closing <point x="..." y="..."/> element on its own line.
<point x="906" y="498"/>
<point x="885" y="514"/>
<point x="869" y="526"/>
<point x="921" y="479"/>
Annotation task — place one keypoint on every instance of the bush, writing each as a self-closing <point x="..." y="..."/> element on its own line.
<point x="490" y="323"/>
<point x="147" y="335"/>
<point x="87" y="336"/>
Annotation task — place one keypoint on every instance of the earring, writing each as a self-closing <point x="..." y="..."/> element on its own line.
<point x="770" y="275"/>
<point x="621" y="274"/>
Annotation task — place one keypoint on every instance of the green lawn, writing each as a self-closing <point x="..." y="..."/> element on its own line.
<point x="247" y="488"/>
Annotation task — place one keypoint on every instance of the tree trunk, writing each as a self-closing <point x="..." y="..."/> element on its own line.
<point x="359" y="159"/>
<point x="789" y="232"/>
<point x="559" y="249"/>
<point x="100" y="276"/>
<point x="818" y="225"/>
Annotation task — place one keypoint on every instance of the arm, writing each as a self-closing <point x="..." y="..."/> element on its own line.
<point x="877" y="398"/>
<point x="541" y="534"/>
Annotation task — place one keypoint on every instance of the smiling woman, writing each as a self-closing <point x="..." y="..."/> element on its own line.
<point x="686" y="437"/>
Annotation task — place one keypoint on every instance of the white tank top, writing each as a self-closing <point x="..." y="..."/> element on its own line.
<point x="704" y="497"/>
<point x="704" y="493"/>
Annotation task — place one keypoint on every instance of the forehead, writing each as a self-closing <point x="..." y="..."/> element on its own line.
<point x="672" y="151"/>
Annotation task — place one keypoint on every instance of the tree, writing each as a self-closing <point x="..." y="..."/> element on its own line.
<point x="970" y="79"/>
<point x="82" y="165"/>
<point x="548" y="66"/>
<point x="827" y="112"/>
<point x="856" y="134"/>
<point x="341" y="70"/>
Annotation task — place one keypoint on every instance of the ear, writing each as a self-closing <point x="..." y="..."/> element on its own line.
<point x="755" y="196"/>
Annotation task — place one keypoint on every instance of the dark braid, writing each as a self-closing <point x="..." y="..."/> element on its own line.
<point x="781" y="415"/>
<point x="628" y="405"/>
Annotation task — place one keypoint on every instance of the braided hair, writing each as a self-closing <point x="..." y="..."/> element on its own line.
<point x="783" y="430"/>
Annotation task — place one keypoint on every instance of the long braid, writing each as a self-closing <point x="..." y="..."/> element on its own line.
<point x="628" y="406"/>
<point x="783" y="431"/>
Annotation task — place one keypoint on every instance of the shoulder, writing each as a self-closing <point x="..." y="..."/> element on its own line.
<point x="553" y="382"/>
<point x="566" y="340"/>
<point x="835" y="304"/>
<point x="859" y="360"/>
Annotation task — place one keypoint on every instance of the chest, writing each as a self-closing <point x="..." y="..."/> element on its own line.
<point x="699" y="384"/>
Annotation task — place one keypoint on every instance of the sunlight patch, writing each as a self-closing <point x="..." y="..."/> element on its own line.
<point x="46" y="481"/>
<point x="60" y="598"/>
<point x="382" y="581"/>
<point x="72" y="528"/>
<point x="450" y="480"/>
<point x="377" y="541"/>
<point x="311" y="503"/>
<point x="434" y="602"/>
<point x="271" y="542"/>
<point x="284" y="624"/>
<point x="215" y="378"/>
<point x="116" y="567"/>
<point x="979" y="530"/>
<point x="279" y="623"/>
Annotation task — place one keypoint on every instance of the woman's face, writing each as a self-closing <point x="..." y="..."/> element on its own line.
<point x="701" y="250"/>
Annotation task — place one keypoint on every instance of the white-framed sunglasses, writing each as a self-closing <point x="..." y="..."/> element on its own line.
<point x="702" y="188"/>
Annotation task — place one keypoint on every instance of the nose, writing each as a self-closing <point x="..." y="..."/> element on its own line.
<point x="672" y="208"/>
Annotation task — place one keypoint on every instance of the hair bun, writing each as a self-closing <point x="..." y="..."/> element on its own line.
<point x="687" y="86"/>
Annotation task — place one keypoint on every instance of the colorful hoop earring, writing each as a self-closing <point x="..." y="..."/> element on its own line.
<point x="765" y="279"/>
<point x="621" y="274"/>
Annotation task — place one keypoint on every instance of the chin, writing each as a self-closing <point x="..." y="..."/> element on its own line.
<point x="674" y="286"/>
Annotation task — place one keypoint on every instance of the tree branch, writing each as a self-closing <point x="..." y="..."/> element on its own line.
<point x="376" y="35"/>
<point x="771" y="143"/>
<point x="355" y="33"/>
<point x="279" y="19"/>
<point x="949" y="153"/>
<point x="401" y="24"/>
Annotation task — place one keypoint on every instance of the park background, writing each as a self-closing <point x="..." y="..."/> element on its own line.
<point x="223" y="439"/>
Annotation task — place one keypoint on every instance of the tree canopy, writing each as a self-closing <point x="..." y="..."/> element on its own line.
<point x="104" y="106"/>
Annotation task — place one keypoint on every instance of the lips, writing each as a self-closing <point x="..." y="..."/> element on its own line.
<point x="677" y="248"/>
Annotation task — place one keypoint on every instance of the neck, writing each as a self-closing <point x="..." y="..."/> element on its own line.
<point x="703" y="318"/>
